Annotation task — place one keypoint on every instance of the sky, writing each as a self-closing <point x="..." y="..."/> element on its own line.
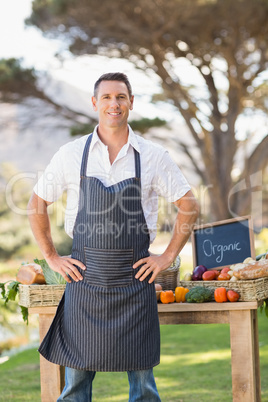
<point x="18" y="41"/>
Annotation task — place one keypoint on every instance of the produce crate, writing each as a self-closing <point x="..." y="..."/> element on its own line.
<point x="169" y="278"/>
<point x="250" y="290"/>
<point x="40" y="295"/>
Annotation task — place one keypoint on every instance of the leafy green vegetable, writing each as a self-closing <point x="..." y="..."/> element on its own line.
<point x="264" y="307"/>
<point x="9" y="291"/>
<point x="3" y="290"/>
<point x="51" y="277"/>
<point x="25" y="314"/>
<point x="198" y="294"/>
<point x="12" y="291"/>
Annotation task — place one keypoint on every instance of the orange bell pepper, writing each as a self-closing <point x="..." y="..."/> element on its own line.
<point x="167" y="296"/>
<point x="180" y="293"/>
<point x="220" y="295"/>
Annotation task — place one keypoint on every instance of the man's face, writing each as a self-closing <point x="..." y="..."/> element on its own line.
<point x="112" y="102"/>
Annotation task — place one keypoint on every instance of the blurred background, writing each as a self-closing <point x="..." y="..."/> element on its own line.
<point x="199" y="72"/>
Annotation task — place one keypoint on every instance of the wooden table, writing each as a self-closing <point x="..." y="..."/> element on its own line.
<point x="242" y="317"/>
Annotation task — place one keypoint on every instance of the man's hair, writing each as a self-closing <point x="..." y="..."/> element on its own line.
<point x="113" y="77"/>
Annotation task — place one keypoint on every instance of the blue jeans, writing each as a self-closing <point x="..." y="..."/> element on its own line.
<point x="78" y="386"/>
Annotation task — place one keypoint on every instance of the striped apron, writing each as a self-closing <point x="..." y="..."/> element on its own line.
<point x="109" y="320"/>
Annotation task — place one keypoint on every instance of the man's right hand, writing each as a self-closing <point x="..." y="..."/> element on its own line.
<point x="66" y="267"/>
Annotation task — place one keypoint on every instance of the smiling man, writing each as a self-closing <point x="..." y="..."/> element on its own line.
<point x="113" y="102"/>
<point x="107" y="319"/>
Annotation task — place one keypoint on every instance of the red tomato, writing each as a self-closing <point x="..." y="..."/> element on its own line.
<point x="217" y="272"/>
<point x="225" y="270"/>
<point x="224" y="277"/>
<point x="220" y="295"/>
<point x="209" y="275"/>
<point x="232" y="296"/>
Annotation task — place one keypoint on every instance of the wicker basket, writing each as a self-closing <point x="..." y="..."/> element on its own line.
<point x="40" y="295"/>
<point x="50" y="295"/>
<point x="250" y="290"/>
<point x="169" y="278"/>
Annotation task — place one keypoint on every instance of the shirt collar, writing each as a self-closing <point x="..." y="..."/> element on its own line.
<point x="95" y="139"/>
<point x="132" y="139"/>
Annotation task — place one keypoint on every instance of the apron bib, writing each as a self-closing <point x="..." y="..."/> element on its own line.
<point x="109" y="320"/>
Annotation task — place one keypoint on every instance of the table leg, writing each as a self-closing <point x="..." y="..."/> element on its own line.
<point x="245" y="356"/>
<point x="52" y="375"/>
<point x="256" y="353"/>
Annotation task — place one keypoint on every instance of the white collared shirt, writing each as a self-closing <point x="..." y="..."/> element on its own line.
<point x="160" y="176"/>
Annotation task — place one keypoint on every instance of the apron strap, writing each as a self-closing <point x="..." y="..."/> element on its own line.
<point x="83" y="169"/>
<point x="137" y="164"/>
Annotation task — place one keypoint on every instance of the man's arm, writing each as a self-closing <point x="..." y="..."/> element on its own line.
<point x="188" y="211"/>
<point x="40" y="224"/>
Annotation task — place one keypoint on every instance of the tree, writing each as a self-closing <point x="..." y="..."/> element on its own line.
<point x="18" y="82"/>
<point x="224" y="41"/>
<point x="16" y="79"/>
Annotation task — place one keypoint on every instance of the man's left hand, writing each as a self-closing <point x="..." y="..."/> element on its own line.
<point x="153" y="264"/>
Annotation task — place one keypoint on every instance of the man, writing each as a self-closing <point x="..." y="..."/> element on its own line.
<point x="107" y="319"/>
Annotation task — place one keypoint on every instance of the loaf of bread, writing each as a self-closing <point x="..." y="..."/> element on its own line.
<point x="253" y="271"/>
<point x="30" y="273"/>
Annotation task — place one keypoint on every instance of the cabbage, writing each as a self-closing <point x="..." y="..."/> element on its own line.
<point x="51" y="277"/>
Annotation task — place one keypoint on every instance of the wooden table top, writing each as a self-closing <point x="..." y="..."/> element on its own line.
<point x="174" y="307"/>
<point x="209" y="306"/>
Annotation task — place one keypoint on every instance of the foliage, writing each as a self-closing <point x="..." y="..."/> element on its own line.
<point x="18" y="82"/>
<point x="82" y="129"/>
<point x="9" y="292"/>
<point x="16" y="79"/>
<point x="222" y="43"/>
<point x="10" y="289"/>
<point x="13" y="74"/>
<point x="264" y="307"/>
<point x="145" y="124"/>
<point x="141" y="125"/>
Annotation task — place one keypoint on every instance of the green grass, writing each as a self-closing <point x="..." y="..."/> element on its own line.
<point x="20" y="377"/>
<point x="195" y="366"/>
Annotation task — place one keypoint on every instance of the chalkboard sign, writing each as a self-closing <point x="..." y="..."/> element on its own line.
<point x="223" y="243"/>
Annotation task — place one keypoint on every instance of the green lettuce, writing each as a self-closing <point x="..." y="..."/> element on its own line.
<point x="51" y="277"/>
